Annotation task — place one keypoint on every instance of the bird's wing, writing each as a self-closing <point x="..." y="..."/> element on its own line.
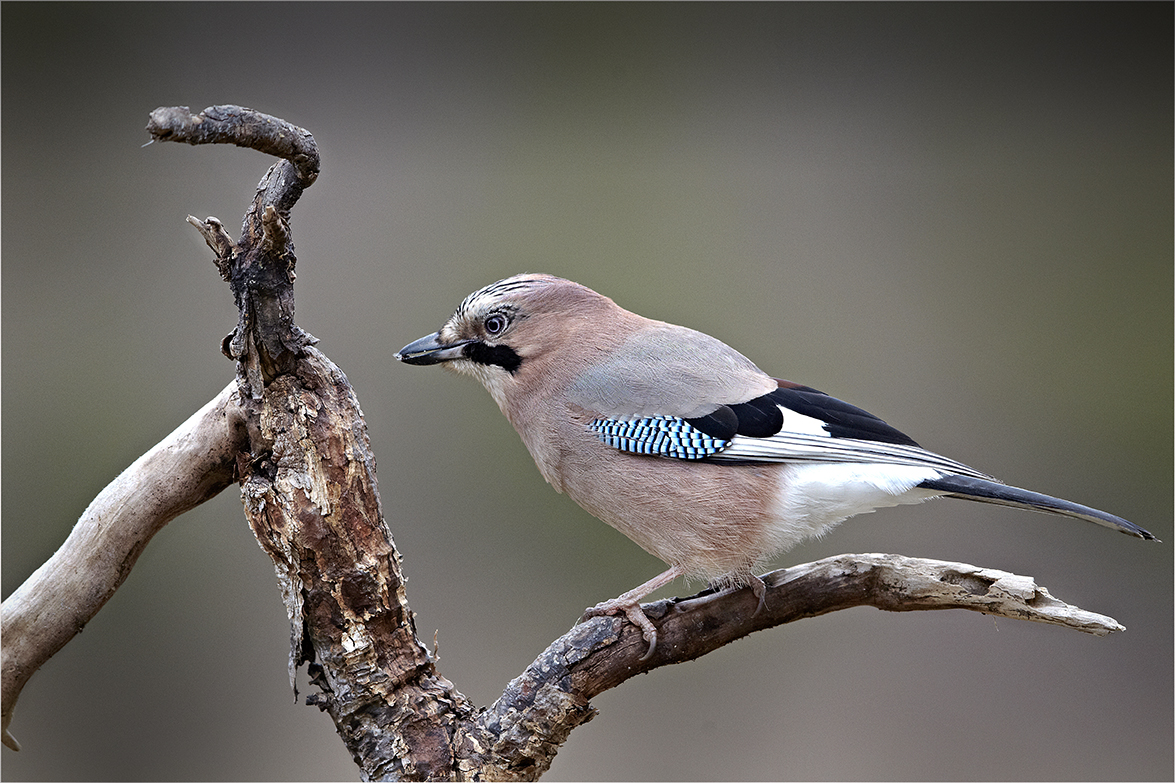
<point x="666" y="370"/>
<point x="791" y="423"/>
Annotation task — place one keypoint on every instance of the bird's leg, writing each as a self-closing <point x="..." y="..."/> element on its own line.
<point x="630" y="604"/>
<point x="759" y="588"/>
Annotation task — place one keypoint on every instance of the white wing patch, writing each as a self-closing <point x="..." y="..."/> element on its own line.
<point x="800" y="424"/>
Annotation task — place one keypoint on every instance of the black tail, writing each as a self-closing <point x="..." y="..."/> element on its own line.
<point x="983" y="491"/>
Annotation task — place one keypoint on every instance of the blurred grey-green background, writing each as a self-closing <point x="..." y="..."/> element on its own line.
<point x="956" y="216"/>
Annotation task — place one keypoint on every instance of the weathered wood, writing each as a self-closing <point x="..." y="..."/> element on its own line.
<point x="311" y="499"/>
<point x="191" y="465"/>
<point x="552" y="696"/>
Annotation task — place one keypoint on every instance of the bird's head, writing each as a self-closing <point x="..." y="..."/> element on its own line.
<point x="519" y="332"/>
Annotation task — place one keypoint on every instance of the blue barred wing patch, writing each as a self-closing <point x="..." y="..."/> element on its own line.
<point x="662" y="436"/>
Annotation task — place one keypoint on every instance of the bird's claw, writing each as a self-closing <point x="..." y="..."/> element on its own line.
<point x="632" y="610"/>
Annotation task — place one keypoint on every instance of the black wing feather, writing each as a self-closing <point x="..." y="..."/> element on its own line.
<point x="722" y="423"/>
<point x="762" y="417"/>
<point x="840" y="419"/>
<point x="759" y="418"/>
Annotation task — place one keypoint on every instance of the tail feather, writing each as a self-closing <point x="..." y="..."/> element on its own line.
<point x="968" y="488"/>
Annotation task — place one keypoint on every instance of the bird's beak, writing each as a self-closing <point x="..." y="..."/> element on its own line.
<point x="430" y="350"/>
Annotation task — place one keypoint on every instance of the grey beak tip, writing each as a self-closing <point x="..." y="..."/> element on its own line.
<point x="429" y="350"/>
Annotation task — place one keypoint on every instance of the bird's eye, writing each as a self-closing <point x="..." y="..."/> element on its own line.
<point x="495" y="324"/>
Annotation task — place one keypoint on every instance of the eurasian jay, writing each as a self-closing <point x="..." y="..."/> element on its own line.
<point x="681" y="443"/>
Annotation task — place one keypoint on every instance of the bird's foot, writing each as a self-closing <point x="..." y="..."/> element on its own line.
<point x="632" y="610"/>
<point x="630" y="604"/>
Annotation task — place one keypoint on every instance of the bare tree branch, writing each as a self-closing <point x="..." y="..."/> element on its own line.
<point x="244" y="127"/>
<point x="691" y="627"/>
<point x="540" y="708"/>
<point x="189" y="466"/>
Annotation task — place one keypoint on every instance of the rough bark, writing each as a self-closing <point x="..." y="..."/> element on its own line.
<point x="290" y="430"/>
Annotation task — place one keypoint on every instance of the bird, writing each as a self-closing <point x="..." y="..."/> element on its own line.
<point x="682" y="443"/>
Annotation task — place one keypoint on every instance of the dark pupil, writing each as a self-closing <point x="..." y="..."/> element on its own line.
<point x="495" y="324"/>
